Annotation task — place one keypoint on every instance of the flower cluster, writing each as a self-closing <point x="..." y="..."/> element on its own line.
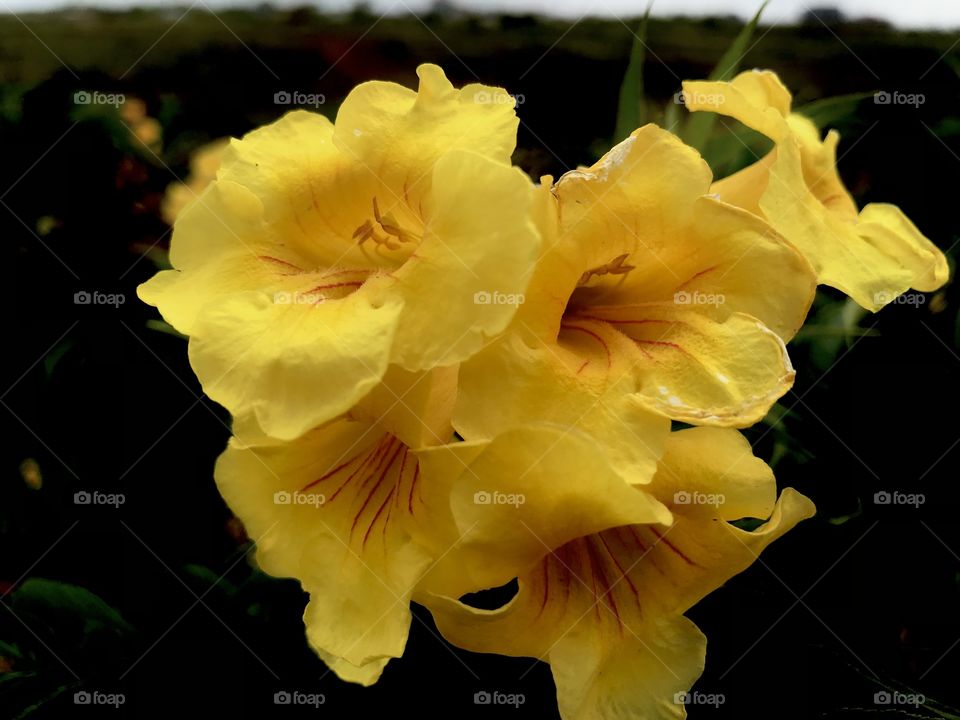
<point x="444" y="376"/>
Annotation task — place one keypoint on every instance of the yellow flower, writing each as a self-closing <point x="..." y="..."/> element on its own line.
<point x="358" y="510"/>
<point x="650" y="302"/>
<point x="325" y="252"/>
<point x="204" y="164"/>
<point x="347" y="510"/>
<point x="873" y="256"/>
<point x="606" y="609"/>
<point x="133" y="113"/>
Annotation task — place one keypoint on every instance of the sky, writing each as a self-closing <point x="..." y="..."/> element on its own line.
<point x="943" y="14"/>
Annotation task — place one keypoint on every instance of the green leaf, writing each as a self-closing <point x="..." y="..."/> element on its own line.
<point x="831" y="111"/>
<point x="164" y="327"/>
<point x="58" y="603"/>
<point x="631" y="110"/>
<point x="699" y="125"/>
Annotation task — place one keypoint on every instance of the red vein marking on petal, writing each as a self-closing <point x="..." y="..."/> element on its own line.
<point x="696" y="275"/>
<point x="595" y="336"/>
<point x="373" y="522"/>
<point x="413" y="484"/>
<point x="597" y="562"/>
<point x="581" y="368"/>
<point x="349" y="271"/>
<point x="381" y="465"/>
<point x="642" y="321"/>
<point x="374" y="489"/>
<point x="331" y="473"/>
<point x="663" y="343"/>
<point x="284" y="263"/>
<point x="673" y="547"/>
<point x="372" y="458"/>
<point x="623" y="573"/>
<point x="352" y="283"/>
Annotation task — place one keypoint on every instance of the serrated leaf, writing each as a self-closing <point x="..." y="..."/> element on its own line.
<point x="699" y="125"/>
<point x="631" y="109"/>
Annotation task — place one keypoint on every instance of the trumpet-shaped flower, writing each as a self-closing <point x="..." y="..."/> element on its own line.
<point x="359" y="510"/>
<point x="605" y="610"/>
<point x="651" y="301"/>
<point x="322" y="252"/>
<point x="873" y="256"/>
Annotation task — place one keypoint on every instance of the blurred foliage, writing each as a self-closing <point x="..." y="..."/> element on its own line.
<point x="159" y="598"/>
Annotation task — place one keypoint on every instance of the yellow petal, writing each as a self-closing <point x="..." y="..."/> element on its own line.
<point x="340" y="509"/>
<point x="531" y="490"/>
<point x="890" y="231"/>
<point x="873" y="257"/>
<point x="417" y="407"/>
<point x="400" y="134"/>
<point x="602" y="609"/>
<point x="472" y="268"/>
<point x="291" y="365"/>
<point x="702" y="370"/>
<point x="583" y="380"/>
<point x="756" y="98"/>
<point x="710" y="471"/>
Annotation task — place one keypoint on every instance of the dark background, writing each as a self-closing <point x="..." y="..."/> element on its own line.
<point x="157" y="599"/>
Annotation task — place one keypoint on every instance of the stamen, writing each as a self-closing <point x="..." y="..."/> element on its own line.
<point x="393" y="235"/>
<point x="614" y="267"/>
